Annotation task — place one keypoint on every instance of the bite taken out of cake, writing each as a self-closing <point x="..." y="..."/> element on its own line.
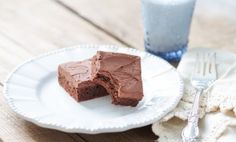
<point x="105" y="73"/>
<point x="120" y="75"/>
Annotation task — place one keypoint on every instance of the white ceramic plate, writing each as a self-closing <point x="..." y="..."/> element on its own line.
<point x="32" y="91"/>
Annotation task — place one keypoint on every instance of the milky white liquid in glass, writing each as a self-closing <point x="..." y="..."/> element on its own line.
<point x="166" y="26"/>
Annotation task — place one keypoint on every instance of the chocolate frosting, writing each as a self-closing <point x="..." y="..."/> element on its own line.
<point x="77" y="72"/>
<point x="125" y="70"/>
<point x="114" y="73"/>
<point x="75" y="78"/>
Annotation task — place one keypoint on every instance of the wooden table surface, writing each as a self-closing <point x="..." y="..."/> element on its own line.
<point x="31" y="27"/>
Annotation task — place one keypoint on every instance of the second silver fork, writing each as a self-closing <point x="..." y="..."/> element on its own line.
<point x="203" y="76"/>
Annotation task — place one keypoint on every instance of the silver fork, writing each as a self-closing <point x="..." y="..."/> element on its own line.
<point x="204" y="75"/>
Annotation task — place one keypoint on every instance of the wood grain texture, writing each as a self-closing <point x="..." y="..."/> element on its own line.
<point x="119" y="17"/>
<point x="33" y="27"/>
<point x="136" y="135"/>
<point x="43" y="25"/>
<point x="213" y="22"/>
<point x="214" y="25"/>
<point x="14" y="129"/>
<point x="110" y="33"/>
<point x="11" y="54"/>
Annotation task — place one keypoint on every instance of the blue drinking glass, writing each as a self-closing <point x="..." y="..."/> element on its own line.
<point x="166" y="27"/>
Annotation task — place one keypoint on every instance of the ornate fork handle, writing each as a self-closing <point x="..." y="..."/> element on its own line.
<point x="203" y="75"/>
<point x="191" y="131"/>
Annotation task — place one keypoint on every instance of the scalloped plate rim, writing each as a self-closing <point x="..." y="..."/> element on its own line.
<point x="84" y="130"/>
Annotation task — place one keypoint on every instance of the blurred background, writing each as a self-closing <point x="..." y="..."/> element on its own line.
<point x="31" y="27"/>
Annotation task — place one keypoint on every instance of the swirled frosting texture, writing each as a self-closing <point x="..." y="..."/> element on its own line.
<point x="124" y="70"/>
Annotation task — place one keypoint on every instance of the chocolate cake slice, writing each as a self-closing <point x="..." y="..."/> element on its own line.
<point x="76" y="79"/>
<point x="120" y="75"/>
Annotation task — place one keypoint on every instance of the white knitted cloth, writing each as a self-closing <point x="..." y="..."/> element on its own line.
<point x="220" y="96"/>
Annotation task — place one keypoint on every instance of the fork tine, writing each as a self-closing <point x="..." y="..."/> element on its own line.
<point x="213" y="65"/>
<point x="208" y="64"/>
<point x="202" y="64"/>
<point x="197" y="64"/>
